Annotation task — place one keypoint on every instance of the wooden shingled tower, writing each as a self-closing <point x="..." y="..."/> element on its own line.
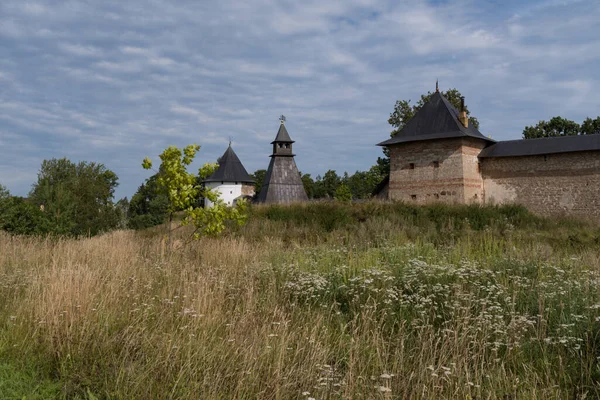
<point x="282" y="182"/>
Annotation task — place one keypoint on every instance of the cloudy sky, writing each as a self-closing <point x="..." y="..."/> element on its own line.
<point x="113" y="81"/>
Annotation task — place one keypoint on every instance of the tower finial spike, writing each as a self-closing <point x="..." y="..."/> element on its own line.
<point x="282" y="119"/>
<point x="230" y="140"/>
<point x="437" y="89"/>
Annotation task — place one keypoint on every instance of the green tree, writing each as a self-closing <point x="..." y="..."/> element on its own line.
<point x="4" y="204"/>
<point x="182" y="190"/>
<point x="21" y="217"/>
<point x="363" y="183"/>
<point x="590" y="126"/>
<point x="343" y="193"/>
<point x="148" y="206"/>
<point x="309" y="185"/>
<point x="18" y="216"/>
<point x="78" y="198"/>
<point x="4" y="194"/>
<point x="556" y="126"/>
<point x="259" y="178"/>
<point x="404" y="111"/>
<point x="559" y="126"/>
<point x="330" y="182"/>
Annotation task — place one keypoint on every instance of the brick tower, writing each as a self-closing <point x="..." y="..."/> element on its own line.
<point x="434" y="158"/>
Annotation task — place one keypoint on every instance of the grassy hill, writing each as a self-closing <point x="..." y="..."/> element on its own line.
<point x="323" y="300"/>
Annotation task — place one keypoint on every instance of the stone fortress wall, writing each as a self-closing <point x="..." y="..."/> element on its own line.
<point x="450" y="171"/>
<point x="550" y="185"/>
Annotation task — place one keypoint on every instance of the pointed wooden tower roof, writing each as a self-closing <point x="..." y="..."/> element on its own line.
<point x="230" y="169"/>
<point x="437" y="119"/>
<point x="282" y="134"/>
<point x="282" y="182"/>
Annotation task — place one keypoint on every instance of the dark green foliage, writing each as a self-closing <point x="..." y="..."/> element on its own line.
<point x="343" y="193"/>
<point x="76" y="197"/>
<point x="559" y="126"/>
<point x="325" y="186"/>
<point x="363" y="183"/>
<point x="20" y="217"/>
<point x="590" y="126"/>
<point x="309" y="185"/>
<point x="4" y="193"/>
<point x="259" y="178"/>
<point x="383" y="164"/>
<point x="148" y="207"/>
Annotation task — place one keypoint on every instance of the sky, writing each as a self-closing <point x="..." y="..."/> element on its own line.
<point x="113" y="81"/>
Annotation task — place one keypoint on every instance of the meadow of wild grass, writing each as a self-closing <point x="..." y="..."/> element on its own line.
<point x="322" y="301"/>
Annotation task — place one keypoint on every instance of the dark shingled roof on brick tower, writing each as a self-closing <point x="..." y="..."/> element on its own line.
<point x="437" y="119"/>
<point x="230" y="169"/>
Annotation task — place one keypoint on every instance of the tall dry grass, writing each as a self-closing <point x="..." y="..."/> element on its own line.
<point x="366" y="310"/>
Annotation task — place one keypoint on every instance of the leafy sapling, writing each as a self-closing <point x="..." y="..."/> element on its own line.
<point x="183" y="191"/>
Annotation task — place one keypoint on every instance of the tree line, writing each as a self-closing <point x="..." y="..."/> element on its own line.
<point x="77" y="199"/>
<point x="72" y="199"/>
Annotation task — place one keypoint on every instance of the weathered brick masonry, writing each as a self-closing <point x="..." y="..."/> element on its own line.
<point x="552" y="184"/>
<point x="444" y="170"/>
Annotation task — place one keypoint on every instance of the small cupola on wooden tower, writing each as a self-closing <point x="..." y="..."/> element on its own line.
<point x="282" y="145"/>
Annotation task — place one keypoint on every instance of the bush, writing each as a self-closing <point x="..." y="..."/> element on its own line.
<point x="20" y="217"/>
<point x="343" y="193"/>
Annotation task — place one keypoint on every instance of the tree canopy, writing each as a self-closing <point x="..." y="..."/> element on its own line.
<point x="77" y="198"/>
<point x="258" y="176"/>
<point x="359" y="185"/>
<point x="21" y="217"/>
<point x="343" y="193"/>
<point x="559" y="126"/>
<point x="148" y="207"/>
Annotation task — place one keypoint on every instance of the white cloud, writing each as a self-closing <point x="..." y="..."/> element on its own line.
<point x="35" y="9"/>
<point x="80" y="50"/>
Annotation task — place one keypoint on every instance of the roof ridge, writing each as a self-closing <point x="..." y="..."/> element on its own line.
<point x="542" y="138"/>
